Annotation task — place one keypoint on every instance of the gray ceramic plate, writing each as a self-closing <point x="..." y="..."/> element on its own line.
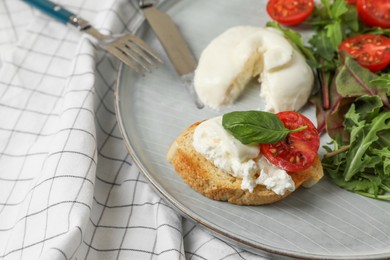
<point x="322" y="222"/>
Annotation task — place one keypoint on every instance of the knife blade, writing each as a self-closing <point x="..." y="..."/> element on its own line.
<point x="174" y="45"/>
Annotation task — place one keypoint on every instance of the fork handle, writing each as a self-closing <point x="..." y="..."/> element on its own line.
<point x="54" y="10"/>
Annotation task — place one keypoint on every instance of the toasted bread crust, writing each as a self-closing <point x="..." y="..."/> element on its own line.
<point x="201" y="175"/>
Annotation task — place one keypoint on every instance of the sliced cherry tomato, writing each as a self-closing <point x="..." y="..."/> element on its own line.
<point x="370" y="51"/>
<point x="290" y="12"/>
<point x="374" y="12"/>
<point x="298" y="150"/>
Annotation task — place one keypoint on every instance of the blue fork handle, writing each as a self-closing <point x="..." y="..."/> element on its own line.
<point x="56" y="11"/>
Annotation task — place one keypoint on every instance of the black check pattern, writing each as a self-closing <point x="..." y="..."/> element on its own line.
<point x="68" y="188"/>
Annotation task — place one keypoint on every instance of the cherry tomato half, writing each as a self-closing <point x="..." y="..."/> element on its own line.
<point x="298" y="150"/>
<point x="290" y="12"/>
<point x="370" y="51"/>
<point x="374" y="12"/>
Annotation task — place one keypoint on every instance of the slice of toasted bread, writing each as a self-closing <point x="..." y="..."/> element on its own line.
<point x="201" y="175"/>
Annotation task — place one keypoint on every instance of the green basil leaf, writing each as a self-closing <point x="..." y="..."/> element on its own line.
<point x="255" y="126"/>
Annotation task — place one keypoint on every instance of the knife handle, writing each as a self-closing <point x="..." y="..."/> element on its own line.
<point x="142" y="4"/>
<point x="54" y="10"/>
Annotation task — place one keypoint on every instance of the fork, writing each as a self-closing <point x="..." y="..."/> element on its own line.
<point x="128" y="48"/>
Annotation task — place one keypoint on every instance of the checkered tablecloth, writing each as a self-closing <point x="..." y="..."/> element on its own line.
<point x="68" y="188"/>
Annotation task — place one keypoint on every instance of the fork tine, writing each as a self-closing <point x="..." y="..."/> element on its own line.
<point x="145" y="47"/>
<point x="128" y="50"/>
<point x="124" y="58"/>
<point x="139" y="52"/>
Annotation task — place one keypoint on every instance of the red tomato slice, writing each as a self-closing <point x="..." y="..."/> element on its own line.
<point x="290" y="12"/>
<point x="374" y="12"/>
<point x="370" y="51"/>
<point x="298" y="151"/>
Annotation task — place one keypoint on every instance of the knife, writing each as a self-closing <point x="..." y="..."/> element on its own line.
<point x="174" y="45"/>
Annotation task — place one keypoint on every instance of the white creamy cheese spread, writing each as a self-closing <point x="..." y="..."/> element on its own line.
<point x="241" y="53"/>
<point x="274" y="178"/>
<point x="241" y="161"/>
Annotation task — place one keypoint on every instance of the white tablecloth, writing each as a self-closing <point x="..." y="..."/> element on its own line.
<point x="68" y="187"/>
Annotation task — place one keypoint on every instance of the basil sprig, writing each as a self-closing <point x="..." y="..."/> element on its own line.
<point x="256" y="127"/>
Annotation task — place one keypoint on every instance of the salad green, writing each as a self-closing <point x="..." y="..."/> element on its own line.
<point x="352" y="104"/>
<point x="364" y="167"/>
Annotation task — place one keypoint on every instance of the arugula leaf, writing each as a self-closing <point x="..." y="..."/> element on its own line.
<point x="332" y="21"/>
<point x="352" y="81"/>
<point x="256" y="127"/>
<point x="383" y="140"/>
<point x="334" y="33"/>
<point x="366" y="108"/>
<point x="364" y="167"/>
<point x="351" y="22"/>
<point x="376" y="30"/>
<point x="338" y="8"/>
<point x="383" y="82"/>
<point x="334" y="29"/>
<point x="323" y="48"/>
<point x="383" y="155"/>
<point x="362" y="137"/>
